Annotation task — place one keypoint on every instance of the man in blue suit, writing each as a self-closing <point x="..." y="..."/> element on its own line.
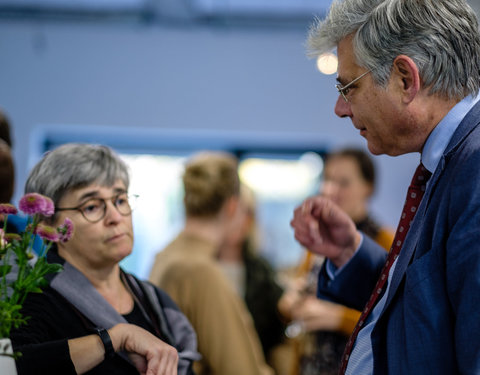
<point x="409" y="76"/>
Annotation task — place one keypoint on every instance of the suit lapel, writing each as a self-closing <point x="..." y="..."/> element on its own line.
<point x="470" y="122"/>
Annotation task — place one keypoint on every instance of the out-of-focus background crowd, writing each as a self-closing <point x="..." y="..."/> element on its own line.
<point x="159" y="81"/>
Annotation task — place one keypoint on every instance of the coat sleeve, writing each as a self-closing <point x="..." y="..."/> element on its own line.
<point x="42" y="350"/>
<point x="462" y="266"/>
<point x="354" y="283"/>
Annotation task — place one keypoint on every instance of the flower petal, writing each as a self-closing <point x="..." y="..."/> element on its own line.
<point x="8" y="209"/>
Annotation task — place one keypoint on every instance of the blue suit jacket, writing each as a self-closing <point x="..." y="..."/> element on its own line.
<point x="431" y="320"/>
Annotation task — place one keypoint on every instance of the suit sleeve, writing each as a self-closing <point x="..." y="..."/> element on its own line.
<point x="463" y="266"/>
<point x="354" y="283"/>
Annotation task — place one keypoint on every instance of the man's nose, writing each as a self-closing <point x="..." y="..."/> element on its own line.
<point x="342" y="108"/>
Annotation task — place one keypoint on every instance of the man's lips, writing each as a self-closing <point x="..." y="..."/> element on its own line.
<point x="362" y="129"/>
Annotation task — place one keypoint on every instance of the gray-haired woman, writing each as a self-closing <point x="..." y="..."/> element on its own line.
<point x="93" y="317"/>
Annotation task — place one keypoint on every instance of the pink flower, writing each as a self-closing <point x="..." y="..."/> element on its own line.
<point x="49" y="207"/>
<point x="65" y="230"/>
<point x="47" y="232"/>
<point x="33" y="203"/>
<point x="8" y="209"/>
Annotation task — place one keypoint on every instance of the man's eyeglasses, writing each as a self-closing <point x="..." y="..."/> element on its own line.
<point x="343" y="90"/>
<point x="95" y="209"/>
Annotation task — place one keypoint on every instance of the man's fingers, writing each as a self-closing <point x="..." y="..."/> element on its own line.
<point x="314" y="232"/>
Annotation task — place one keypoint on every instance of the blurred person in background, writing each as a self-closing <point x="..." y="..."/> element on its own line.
<point x="255" y="280"/>
<point x="12" y="223"/>
<point x="7" y="173"/>
<point x="5" y="129"/>
<point x="349" y="181"/>
<point x="93" y="317"/>
<point x="15" y="223"/>
<point x="188" y="269"/>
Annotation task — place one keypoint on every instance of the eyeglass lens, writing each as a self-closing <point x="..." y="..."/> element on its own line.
<point x="96" y="208"/>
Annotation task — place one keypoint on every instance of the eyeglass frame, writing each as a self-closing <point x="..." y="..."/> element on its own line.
<point x="113" y="199"/>
<point x="341" y="89"/>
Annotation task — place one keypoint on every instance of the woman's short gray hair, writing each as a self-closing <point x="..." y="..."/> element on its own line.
<point x="441" y="36"/>
<point x="72" y="166"/>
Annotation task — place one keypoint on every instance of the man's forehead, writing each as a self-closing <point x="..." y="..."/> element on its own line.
<point x="347" y="66"/>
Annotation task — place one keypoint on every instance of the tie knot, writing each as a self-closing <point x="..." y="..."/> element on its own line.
<point x="421" y="176"/>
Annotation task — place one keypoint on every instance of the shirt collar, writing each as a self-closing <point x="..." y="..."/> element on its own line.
<point x="439" y="138"/>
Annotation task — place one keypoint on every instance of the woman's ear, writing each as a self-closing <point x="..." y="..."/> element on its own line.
<point x="406" y="77"/>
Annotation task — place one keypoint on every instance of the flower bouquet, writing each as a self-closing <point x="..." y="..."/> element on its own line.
<point x="21" y="270"/>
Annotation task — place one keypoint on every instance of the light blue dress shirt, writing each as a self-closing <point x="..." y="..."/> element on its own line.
<point x="361" y="357"/>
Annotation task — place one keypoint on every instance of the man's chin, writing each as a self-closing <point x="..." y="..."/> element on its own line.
<point x="374" y="150"/>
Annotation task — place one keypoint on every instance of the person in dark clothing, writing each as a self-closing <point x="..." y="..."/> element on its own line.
<point x="5" y="129"/>
<point x="93" y="317"/>
<point x="7" y="172"/>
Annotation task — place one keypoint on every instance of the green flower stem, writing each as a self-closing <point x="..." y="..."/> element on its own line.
<point x="29" y="279"/>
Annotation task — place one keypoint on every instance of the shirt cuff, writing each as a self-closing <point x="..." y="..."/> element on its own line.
<point x="333" y="271"/>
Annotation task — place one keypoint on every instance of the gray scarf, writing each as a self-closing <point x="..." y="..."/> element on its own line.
<point x="174" y="327"/>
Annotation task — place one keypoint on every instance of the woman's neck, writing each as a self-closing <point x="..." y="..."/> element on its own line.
<point x="113" y="290"/>
<point x="107" y="282"/>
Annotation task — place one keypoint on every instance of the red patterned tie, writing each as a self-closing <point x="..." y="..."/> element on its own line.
<point x="414" y="196"/>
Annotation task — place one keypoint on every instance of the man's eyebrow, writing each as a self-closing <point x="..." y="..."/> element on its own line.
<point x="340" y="80"/>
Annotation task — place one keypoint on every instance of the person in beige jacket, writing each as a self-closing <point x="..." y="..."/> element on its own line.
<point x="188" y="270"/>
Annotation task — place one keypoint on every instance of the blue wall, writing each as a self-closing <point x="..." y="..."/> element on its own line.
<point x="254" y="80"/>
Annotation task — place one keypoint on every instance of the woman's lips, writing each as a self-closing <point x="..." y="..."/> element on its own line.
<point x="115" y="237"/>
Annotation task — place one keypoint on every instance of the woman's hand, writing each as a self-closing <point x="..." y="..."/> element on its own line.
<point x="150" y="355"/>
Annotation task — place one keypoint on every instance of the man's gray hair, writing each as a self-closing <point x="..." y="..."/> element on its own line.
<point x="440" y="36"/>
<point x="72" y="166"/>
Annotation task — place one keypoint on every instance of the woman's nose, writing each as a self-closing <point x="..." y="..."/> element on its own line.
<point x="329" y="189"/>
<point x="112" y="213"/>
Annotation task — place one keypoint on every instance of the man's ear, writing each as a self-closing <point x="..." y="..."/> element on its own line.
<point x="231" y="205"/>
<point x="405" y="71"/>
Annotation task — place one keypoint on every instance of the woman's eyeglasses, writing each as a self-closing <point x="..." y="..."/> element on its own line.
<point x="95" y="209"/>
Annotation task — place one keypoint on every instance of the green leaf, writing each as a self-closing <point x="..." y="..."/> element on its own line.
<point x="5" y="269"/>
